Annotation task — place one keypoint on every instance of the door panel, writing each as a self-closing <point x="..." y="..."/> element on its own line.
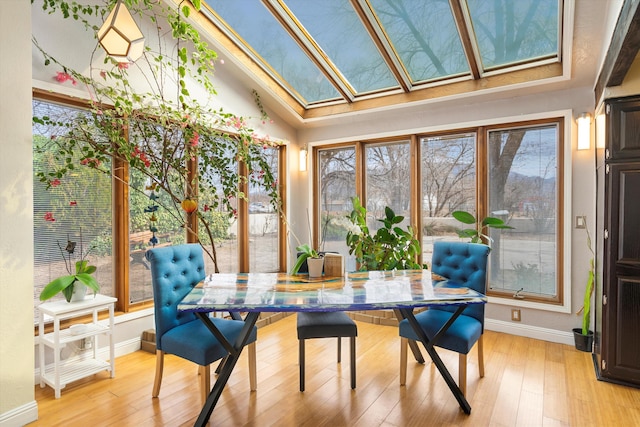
<point x="621" y="313"/>
<point x="624" y="137"/>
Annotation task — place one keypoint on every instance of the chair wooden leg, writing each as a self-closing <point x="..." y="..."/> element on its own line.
<point x="404" y="343"/>
<point x="301" y="363"/>
<point x="462" y="373"/>
<point x="205" y="381"/>
<point x="253" y="379"/>
<point x="157" y="382"/>
<point x="481" y="356"/>
<point x="353" y="363"/>
<point x="339" y="349"/>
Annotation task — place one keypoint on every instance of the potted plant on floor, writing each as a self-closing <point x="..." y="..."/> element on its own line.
<point x="583" y="336"/>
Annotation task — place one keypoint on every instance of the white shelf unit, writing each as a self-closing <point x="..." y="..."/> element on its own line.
<point x="62" y="372"/>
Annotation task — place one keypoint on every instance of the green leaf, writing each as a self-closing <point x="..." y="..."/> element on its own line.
<point x="464" y="217"/>
<point x="89" y="281"/>
<point x="56" y="286"/>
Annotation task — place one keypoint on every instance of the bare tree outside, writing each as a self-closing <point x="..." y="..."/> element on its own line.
<point x="388" y="175"/>
<point x="337" y="187"/>
<point x="448" y="184"/>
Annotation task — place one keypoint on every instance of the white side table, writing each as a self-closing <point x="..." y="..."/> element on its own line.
<point x="63" y="372"/>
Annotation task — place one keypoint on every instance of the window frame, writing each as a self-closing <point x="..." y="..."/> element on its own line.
<point x="563" y="235"/>
<point x="121" y="216"/>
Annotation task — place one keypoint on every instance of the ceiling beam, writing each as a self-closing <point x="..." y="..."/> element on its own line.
<point x="465" y="38"/>
<point x="624" y="46"/>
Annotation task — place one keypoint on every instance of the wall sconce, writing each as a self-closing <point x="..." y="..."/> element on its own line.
<point x="303" y="158"/>
<point x="120" y="37"/>
<point x="584" y="131"/>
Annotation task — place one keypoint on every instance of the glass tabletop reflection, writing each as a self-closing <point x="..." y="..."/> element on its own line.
<point x="370" y="290"/>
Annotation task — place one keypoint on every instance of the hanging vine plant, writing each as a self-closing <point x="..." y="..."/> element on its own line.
<point x="152" y="115"/>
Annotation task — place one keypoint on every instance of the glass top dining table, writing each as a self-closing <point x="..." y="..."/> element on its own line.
<point x="254" y="293"/>
<point x="280" y="292"/>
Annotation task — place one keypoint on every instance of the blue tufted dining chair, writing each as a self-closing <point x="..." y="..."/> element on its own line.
<point x="464" y="264"/>
<point x="175" y="270"/>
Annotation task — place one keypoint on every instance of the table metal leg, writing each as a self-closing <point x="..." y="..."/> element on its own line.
<point x="228" y="365"/>
<point x="429" y="347"/>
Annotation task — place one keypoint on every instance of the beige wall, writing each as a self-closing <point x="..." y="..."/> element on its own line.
<point x="17" y="404"/>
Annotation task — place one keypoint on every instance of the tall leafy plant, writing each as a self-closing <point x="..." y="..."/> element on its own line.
<point x="588" y="291"/>
<point x="152" y="116"/>
<point x="391" y="247"/>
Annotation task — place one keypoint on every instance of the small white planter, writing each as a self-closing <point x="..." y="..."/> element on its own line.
<point x="79" y="292"/>
<point x="315" y="266"/>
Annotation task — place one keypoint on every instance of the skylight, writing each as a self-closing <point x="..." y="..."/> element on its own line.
<point x="334" y="52"/>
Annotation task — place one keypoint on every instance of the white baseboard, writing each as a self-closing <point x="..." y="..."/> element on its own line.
<point x="20" y="416"/>
<point x="523" y="330"/>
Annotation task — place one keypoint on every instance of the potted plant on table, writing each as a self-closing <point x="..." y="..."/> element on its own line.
<point x="583" y="337"/>
<point x="314" y="260"/>
<point x="74" y="285"/>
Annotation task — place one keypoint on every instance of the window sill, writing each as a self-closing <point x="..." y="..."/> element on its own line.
<point x="513" y="302"/>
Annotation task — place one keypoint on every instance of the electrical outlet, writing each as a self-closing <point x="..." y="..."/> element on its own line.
<point x="581" y="221"/>
<point x="515" y="314"/>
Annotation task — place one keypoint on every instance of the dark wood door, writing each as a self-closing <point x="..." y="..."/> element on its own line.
<point x="620" y="350"/>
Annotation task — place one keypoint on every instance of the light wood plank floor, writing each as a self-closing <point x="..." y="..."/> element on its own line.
<point x="527" y="383"/>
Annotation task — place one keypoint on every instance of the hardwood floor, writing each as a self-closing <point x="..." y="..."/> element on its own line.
<point x="527" y="383"/>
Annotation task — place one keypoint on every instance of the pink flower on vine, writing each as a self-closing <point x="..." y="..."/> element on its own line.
<point x="123" y="65"/>
<point x="194" y="139"/>
<point x="145" y="159"/>
<point x="63" y="77"/>
<point x="90" y="161"/>
<point x="206" y="208"/>
<point x="142" y="156"/>
<point x="73" y="203"/>
<point x="49" y="217"/>
<point x="235" y="213"/>
<point x="103" y="74"/>
<point x="236" y="122"/>
<point x="55" y="182"/>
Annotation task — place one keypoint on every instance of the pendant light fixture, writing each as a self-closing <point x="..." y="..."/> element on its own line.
<point x="120" y="36"/>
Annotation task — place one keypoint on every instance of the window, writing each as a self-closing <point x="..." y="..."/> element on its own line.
<point x="524" y="180"/>
<point x="448" y="170"/>
<point x="263" y="224"/>
<point x="337" y="178"/>
<point x="388" y="178"/>
<point x="522" y="186"/>
<point x="79" y="207"/>
<point x="147" y="212"/>
<point x="76" y="208"/>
